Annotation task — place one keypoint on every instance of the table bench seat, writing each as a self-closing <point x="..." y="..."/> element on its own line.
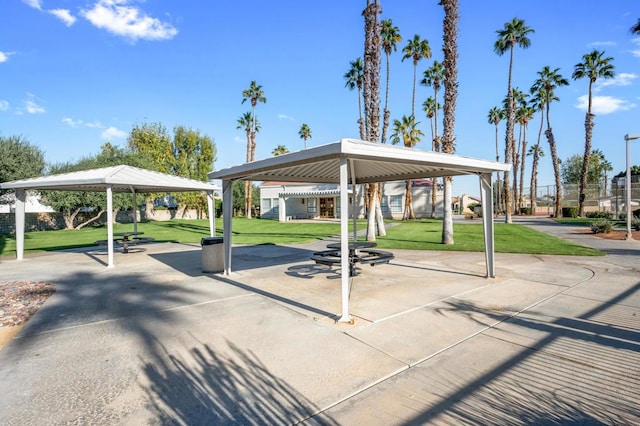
<point x="366" y="256"/>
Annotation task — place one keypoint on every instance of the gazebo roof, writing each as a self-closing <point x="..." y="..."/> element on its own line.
<point x="121" y="179"/>
<point x="371" y="162"/>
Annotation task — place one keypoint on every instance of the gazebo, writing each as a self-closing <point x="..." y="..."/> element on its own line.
<point x="120" y="178"/>
<point x="351" y="161"/>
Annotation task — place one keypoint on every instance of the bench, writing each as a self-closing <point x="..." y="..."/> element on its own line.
<point x="366" y="256"/>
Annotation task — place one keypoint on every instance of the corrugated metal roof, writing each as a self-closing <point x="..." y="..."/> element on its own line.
<point x="372" y="162"/>
<point x="121" y="179"/>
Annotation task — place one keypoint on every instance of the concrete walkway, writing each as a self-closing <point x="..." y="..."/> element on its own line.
<point x="553" y="339"/>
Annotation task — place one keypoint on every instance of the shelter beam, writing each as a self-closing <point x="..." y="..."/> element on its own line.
<point x="21" y="197"/>
<point x="227" y="211"/>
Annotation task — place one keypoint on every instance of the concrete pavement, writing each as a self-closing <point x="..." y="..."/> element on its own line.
<point x="552" y="339"/>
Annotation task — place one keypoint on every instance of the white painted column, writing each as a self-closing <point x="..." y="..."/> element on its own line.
<point x="486" y="193"/>
<point x="135" y="211"/>
<point x="344" y="241"/>
<point x="21" y="198"/>
<point x="211" y="205"/>
<point x="227" y="212"/>
<point x="111" y="263"/>
<point x="282" y="209"/>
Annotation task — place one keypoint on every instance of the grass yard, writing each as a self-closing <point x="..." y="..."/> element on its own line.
<point x="416" y="235"/>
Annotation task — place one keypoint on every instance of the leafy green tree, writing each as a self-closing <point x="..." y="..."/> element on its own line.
<point x="19" y="159"/>
<point x="390" y="37"/>
<point x="407" y="132"/>
<point x="593" y="66"/>
<point x="515" y="32"/>
<point x="253" y="94"/>
<point x="305" y="133"/>
<point x="355" y="80"/>
<point x="549" y="80"/>
<point x="279" y="150"/>
<point x="450" y="49"/>
<point x="416" y="49"/>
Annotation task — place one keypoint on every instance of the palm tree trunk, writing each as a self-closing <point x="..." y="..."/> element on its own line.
<point x="523" y="154"/>
<point x="413" y="98"/>
<point x="509" y="142"/>
<point x="387" y="114"/>
<point x="382" y="232"/>
<point x="588" y="127"/>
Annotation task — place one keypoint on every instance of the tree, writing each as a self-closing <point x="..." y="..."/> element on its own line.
<point x="19" y="159"/>
<point x="407" y="132"/>
<point x="546" y="83"/>
<point x="416" y="49"/>
<point x="495" y="116"/>
<point x="524" y="115"/>
<point x="536" y="152"/>
<point x="593" y="66"/>
<point x="450" y="49"/>
<point x="250" y="125"/>
<point x="514" y="33"/>
<point x="305" y="133"/>
<point x="390" y="37"/>
<point x="430" y="106"/>
<point x="279" y="150"/>
<point x="355" y="80"/>
<point x="154" y="142"/>
<point x="254" y="94"/>
<point x="371" y="97"/>
<point x="635" y="29"/>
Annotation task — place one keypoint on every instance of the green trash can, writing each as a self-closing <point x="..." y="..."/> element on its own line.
<point x="212" y="254"/>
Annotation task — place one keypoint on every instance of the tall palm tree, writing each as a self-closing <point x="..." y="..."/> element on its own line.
<point x="280" y="150"/>
<point x="415" y="50"/>
<point x="430" y="106"/>
<point x="514" y="33"/>
<point x="406" y="131"/>
<point x="536" y="152"/>
<point x="525" y="114"/>
<point x="547" y="82"/>
<point x="495" y="116"/>
<point x="593" y="66"/>
<point x="254" y="94"/>
<point x="450" y="50"/>
<point x="305" y="133"/>
<point x="355" y="79"/>
<point x="390" y="36"/>
<point x="247" y="122"/>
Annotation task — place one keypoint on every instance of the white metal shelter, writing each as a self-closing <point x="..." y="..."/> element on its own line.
<point x="351" y="161"/>
<point x="109" y="179"/>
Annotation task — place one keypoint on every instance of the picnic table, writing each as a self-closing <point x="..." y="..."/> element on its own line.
<point x="359" y="252"/>
<point x="126" y="239"/>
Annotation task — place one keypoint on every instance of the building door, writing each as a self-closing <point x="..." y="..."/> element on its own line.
<point x="327" y="208"/>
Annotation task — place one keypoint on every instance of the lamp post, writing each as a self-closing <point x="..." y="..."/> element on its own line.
<point x="628" y="138"/>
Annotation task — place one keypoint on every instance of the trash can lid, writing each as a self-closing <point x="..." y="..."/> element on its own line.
<point x="207" y="241"/>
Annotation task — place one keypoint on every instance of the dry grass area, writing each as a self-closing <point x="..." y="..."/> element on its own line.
<point x="617" y="234"/>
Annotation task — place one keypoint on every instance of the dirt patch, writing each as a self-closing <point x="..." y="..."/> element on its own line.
<point x="616" y="234"/>
<point x="19" y="300"/>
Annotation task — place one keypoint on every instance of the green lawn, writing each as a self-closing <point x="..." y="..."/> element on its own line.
<point x="416" y="235"/>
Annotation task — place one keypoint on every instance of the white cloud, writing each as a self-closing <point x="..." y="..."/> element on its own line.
<point x="80" y="123"/>
<point x="4" y="105"/>
<point x="64" y="15"/>
<point x="94" y="125"/>
<point x="72" y="123"/>
<point x="118" y="17"/>
<point x="31" y="105"/>
<point x="285" y="117"/>
<point x="602" y="44"/>
<point x="4" y="56"/>
<point x="36" y="4"/>
<point x="604" y="104"/>
<point x="113" y="133"/>
<point x="622" y="79"/>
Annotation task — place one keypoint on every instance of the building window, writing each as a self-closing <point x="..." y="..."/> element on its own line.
<point x="266" y="205"/>
<point x="275" y="205"/>
<point x="311" y="205"/>
<point x="395" y="203"/>
<point x="384" y="207"/>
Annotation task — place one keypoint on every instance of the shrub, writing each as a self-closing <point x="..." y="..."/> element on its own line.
<point x="601" y="226"/>
<point x="598" y="215"/>
<point x="635" y="223"/>
<point x="569" y="212"/>
<point x="525" y="211"/>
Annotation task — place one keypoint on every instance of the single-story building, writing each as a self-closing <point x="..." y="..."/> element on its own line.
<point x="291" y="200"/>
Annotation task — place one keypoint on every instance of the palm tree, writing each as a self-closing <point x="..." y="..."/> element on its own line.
<point x="636" y="28"/>
<point x="279" y="150"/>
<point x="305" y="133"/>
<point x="390" y="37"/>
<point x="536" y="152"/>
<point x="525" y="114"/>
<point x="514" y="33"/>
<point x="593" y="66"/>
<point x="416" y="49"/>
<point x="355" y="79"/>
<point x="547" y="82"/>
<point x="407" y="132"/>
<point x="433" y="77"/>
<point x="430" y="106"/>
<point x="450" y="49"/>
<point x="247" y="122"/>
<point x="496" y="115"/>
<point x="254" y="94"/>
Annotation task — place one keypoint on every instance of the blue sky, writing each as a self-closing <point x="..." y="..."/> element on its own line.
<point x="78" y="73"/>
